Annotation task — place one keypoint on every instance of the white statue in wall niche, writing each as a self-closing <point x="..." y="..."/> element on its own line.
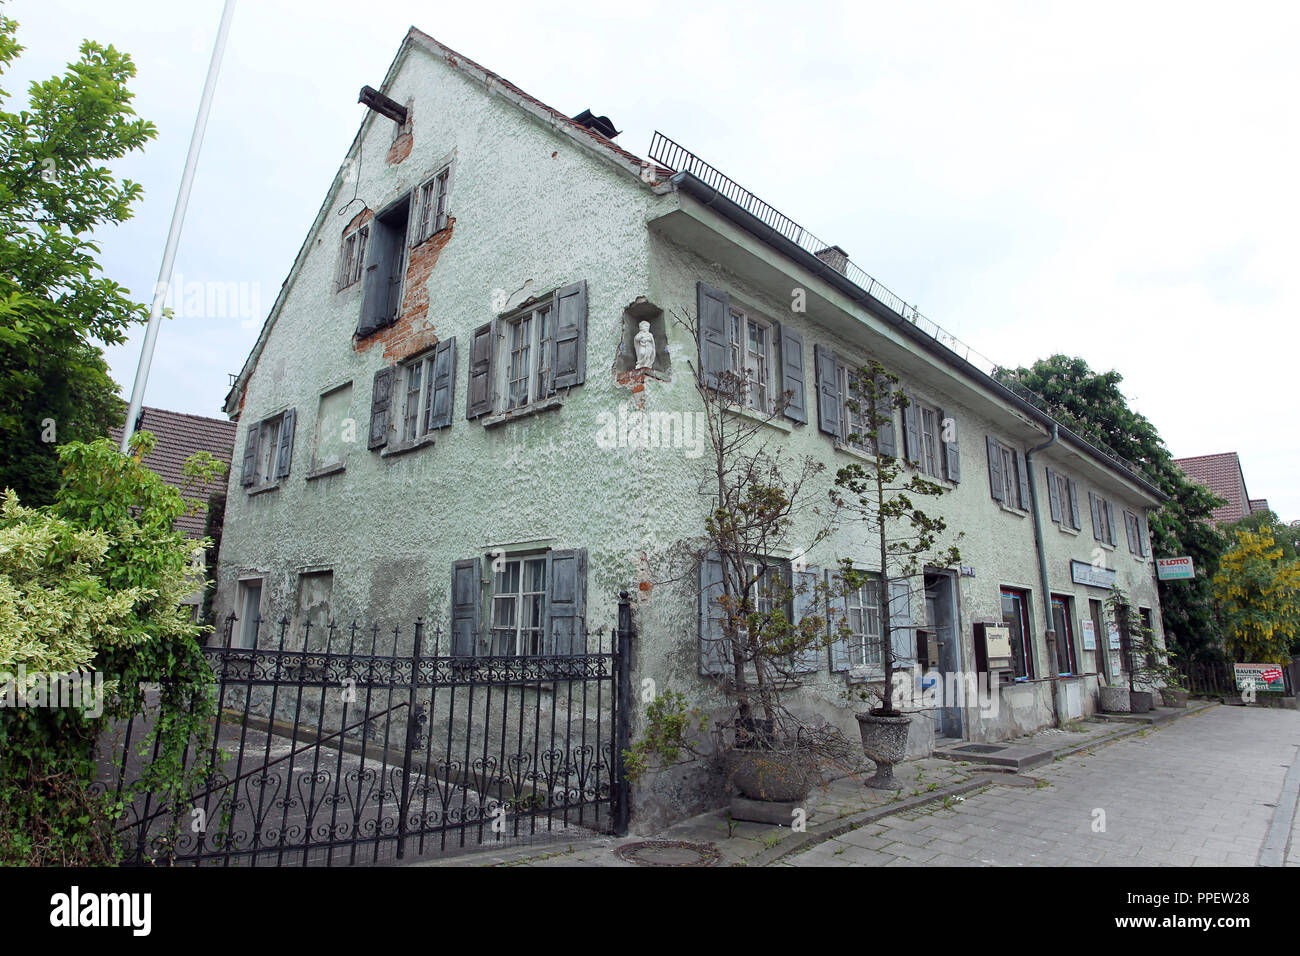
<point x="644" y="343"/>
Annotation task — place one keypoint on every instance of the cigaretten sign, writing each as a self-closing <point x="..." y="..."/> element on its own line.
<point x="1174" y="569"/>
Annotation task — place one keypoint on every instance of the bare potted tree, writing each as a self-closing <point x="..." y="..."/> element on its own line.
<point x="1147" y="661"/>
<point x="905" y="540"/>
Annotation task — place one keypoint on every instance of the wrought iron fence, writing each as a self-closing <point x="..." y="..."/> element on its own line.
<point x="334" y="750"/>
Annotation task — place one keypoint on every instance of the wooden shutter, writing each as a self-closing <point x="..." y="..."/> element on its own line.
<point x="901" y="635"/>
<point x="1130" y="531"/>
<point x="248" y="474"/>
<point x="465" y="586"/>
<point x="1073" y="490"/>
<point x="284" y="455"/>
<point x="1053" y="496"/>
<point x="829" y="400"/>
<point x="997" y="485"/>
<point x="714" y="308"/>
<point x="1096" y="515"/>
<point x="569" y="346"/>
<point x="383" y="247"/>
<point x="1110" y="520"/>
<point x="713" y="648"/>
<point x="481" y="348"/>
<point x="444" y="383"/>
<point x="566" y="602"/>
<point x="1022" y="473"/>
<point x="951" y="449"/>
<point x="809" y="660"/>
<point x="792" y="376"/>
<point x="1143" y="548"/>
<point x="912" y="430"/>
<point x="839" y="650"/>
<point x="381" y="401"/>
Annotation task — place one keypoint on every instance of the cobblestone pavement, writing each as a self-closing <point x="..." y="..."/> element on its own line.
<point x="1202" y="791"/>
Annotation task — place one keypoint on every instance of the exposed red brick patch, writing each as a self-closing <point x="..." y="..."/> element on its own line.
<point x="364" y="215"/>
<point x="411" y="332"/>
<point x="400" y="149"/>
<point x="645" y="586"/>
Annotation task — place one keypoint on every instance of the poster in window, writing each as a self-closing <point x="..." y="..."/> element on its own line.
<point x="1089" y="636"/>
<point x="1113" y="634"/>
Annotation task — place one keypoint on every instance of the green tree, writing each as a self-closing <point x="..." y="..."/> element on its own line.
<point x="1092" y="405"/>
<point x="1258" y="590"/>
<point x="55" y="305"/>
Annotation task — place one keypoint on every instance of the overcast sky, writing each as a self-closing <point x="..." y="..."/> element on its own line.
<point x="1115" y="181"/>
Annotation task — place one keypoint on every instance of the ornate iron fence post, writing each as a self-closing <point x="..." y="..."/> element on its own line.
<point x="412" y="739"/>
<point x="623" y="713"/>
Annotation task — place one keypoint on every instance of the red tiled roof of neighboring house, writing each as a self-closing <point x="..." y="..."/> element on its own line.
<point x="179" y="436"/>
<point x="1258" y="504"/>
<point x="1222" y="475"/>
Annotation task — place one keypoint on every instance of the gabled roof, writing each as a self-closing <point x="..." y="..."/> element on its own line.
<point x="1222" y="474"/>
<point x="581" y="134"/>
<point x="179" y="436"/>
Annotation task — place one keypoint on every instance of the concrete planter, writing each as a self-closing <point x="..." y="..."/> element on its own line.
<point x="1114" y="700"/>
<point x="884" y="739"/>
<point x="780" y="776"/>
<point x="1141" y="701"/>
<point x="1173" y="697"/>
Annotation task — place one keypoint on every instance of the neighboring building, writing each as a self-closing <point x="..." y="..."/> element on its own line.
<point x="435" y="399"/>
<point x="1222" y="474"/>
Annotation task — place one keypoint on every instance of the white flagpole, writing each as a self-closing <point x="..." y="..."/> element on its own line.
<point x="174" y="233"/>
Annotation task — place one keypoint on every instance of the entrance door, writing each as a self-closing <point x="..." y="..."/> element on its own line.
<point x="941" y="617"/>
<point x="1102" y="653"/>
<point x="1063" y="625"/>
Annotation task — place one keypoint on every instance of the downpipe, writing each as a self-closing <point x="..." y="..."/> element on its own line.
<point x="1050" y="632"/>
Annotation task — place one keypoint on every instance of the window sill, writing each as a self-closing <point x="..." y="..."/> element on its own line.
<point x="1018" y="512"/>
<point x="1065" y="529"/>
<point x="533" y="408"/>
<point x="325" y="470"/>
<point x="776" y="421"/>
<point x="401" y="448"/>
<point x="854" y="452"/>
<point x="263" y="489"/>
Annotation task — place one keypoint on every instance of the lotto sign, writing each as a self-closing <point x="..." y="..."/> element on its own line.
<point x="1265" y="677"/>
<point x="1174" y="569"/>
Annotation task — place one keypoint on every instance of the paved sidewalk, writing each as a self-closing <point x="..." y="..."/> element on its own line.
<point x="1201" y="791"/>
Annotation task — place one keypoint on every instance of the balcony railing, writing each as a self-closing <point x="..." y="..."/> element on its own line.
<point x="677" y="158"/>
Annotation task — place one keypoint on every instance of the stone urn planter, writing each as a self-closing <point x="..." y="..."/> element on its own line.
<point x="775" y="776"/>
<point x="1141" y="701"/>
<point x="1113" y="699"/>
<point x="884" y="739"/>
<point x="1174" y="697"/>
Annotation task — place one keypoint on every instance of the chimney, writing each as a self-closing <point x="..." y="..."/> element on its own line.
<point x="836" y="258"/>
<point x="597" y="124"/>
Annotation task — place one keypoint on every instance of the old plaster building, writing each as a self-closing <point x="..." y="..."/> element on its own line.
<point x="424" y="423"/>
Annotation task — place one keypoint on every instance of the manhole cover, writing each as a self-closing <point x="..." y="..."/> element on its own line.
<point x="980" y="749"/>
<point x="669" y="853"/>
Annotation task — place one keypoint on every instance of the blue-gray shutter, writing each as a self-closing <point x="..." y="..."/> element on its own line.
<point x="912" y="430"/>
<point x="997" y="486"/>
<point x="1130" y="531"/>
<point x="569" y="347"/>
<point x="808" y="660"/>
<point x="951" y="449"/>
<point x="381" y="401"/>
<point x="713" y="649"/>
<point x="714" y="308"/>
<point x="1022" y="473"/>
<point x="839" y="650"/>
<point x="465" y="586"/>
<point x="444" y="384"/>
<point x="1073" y="490"/>
<point x="829" y="399"/>
<point x="248" y="474"/>
<point x="886" y="434"/>
<point x="1053" y="496"/>
<point x="385" y="245"/>
<point x="284" y="454"/>
<point x="478" y="400"/>
<point x="1094" y="505"/>
<point x="1110" y="519"/>
<point x="1143" y="548"/>
<point x="566" y="602"/>
<point x="793" y="377"/>
<point x="901" y="634"/>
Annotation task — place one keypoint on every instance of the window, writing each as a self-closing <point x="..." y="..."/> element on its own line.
<point x="518" y="602"/>
<point x="1103" y="519"/>
<point x="1015" y="616"/>
<point x="1063" y="625"/>
<point x="1137" y="543"/>
<point x="853" y="424"/>
<point x="1063" y="499"/>
<point x="352" y="261"/>
<point x="268" y="450"/>
<point x="385" y="269"/>
<point x="522" y="359"/>
<point x="753" y="359"/>
<point x="333" y="427"/>
<point x="862" y="613"/>
<point x="249" y="614"/>
<point x="1008" y="477"/>
<point x="526" y="359"/>
<point x="413" y="399"/>
<point x="431" y="203"/>
<point x="1010" y="469"/>
<point x="930" y="442"/>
